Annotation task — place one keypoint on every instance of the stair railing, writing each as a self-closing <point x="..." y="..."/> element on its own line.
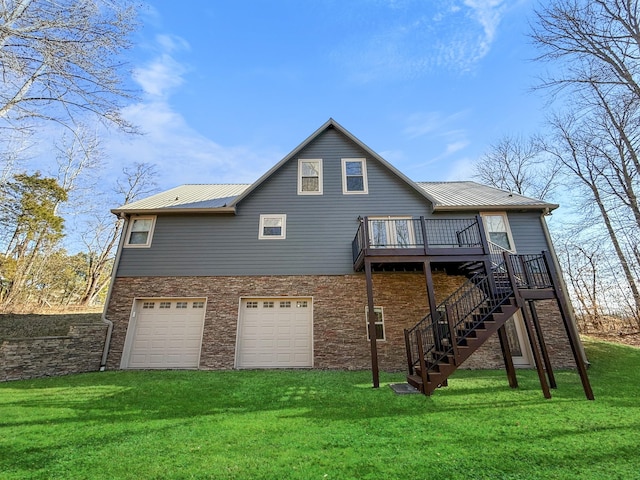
<point x="437" y="335"/>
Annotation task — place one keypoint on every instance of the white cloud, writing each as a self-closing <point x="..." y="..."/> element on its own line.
<point x="488" y="14"/>
<point x="416" y="38"/>
<point x="181" y="153"/>
<point x="434" y="124"/>
<point x="163" y="74"/>
<point x="441" y="132"/>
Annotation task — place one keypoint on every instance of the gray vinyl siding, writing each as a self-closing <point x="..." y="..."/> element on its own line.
<point x="527" y="232"/>
<point x="319" y="228"/>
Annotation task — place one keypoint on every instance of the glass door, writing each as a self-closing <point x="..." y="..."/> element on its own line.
<point x="391" y="232"/>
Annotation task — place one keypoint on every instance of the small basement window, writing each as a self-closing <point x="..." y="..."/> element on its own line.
<point x="309" y="176"/>
<point x="140" y="231"/>
<point x="354" y="175"/>
<point x="273" y="227"/>
<point x="379" y="322"/>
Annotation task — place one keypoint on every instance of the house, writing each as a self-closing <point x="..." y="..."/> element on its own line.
<point x="284" y="272"/>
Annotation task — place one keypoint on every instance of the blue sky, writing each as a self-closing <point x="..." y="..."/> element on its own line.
<point x="227" y="88"/>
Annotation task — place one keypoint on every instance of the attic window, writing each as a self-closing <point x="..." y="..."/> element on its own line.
<point x="140" y="232"/>
<point x="273" y="227"/>
<point x="309" y="176"/>
<point x="354" y="175"/>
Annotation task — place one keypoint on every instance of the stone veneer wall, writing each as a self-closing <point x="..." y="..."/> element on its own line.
<point x="79" y="351"/>
<point x="338" y="315"/>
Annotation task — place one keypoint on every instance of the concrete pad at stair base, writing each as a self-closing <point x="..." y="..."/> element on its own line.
<point x="403" y="388"/>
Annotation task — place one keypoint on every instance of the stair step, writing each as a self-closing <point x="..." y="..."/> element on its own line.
<point x="416" y="382"/>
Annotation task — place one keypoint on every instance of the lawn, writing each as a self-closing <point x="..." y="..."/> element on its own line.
<point x="323" y="425"/>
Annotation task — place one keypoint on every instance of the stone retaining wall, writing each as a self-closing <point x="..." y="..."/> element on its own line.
<point x="79" y="351"/>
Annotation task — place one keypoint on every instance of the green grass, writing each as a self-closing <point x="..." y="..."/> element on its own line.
<point x="323" y="425"/>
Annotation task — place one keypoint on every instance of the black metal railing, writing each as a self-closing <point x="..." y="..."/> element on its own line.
<point x="455" y="318"/>
<point x="412" y="233"/>
<point x="531" y="271"/>
<point x="438" y="335"/>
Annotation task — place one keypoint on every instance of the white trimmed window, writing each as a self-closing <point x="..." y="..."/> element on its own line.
<point x="273" y="227"/>
<point x="379" y="322"/>
<point x="354" y="176"/>
<point x="498" y="231"/>
<point x="140" y="231"/>
<point x="309" y="176"/>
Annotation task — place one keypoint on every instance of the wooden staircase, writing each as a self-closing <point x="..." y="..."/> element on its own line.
<point x="440" y="364"/>
<point x="440" y="343"/>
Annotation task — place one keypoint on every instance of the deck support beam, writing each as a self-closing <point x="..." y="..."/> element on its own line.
<point x="431" y="296"/>
<point x="537" y="358"/>
<point x="508" y="358"/>
<point x="543" y="344"/>
<point x="574" y="341"/>
<point x="375" y="372"/>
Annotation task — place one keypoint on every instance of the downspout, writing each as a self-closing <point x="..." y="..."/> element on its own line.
<point x="109" y="323"/>
<point x="565" y="291"/>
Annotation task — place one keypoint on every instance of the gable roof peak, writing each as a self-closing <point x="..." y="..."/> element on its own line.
<point x="331" y="123"/>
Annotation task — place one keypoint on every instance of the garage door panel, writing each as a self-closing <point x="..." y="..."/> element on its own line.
<point x="168" y="337"/>
<point x="274" y="333"/>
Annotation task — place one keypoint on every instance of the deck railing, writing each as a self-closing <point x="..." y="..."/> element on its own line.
<point x="531" y="271"/>
<point x="418" y="233"/>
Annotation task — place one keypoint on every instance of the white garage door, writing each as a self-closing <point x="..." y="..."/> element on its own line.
<point x="167" y="333"/>
<point x="275" y="333"/>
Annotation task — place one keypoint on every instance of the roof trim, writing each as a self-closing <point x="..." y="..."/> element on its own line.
<point x="331" y="123"/>
<point x="494" y="208"/>
<point x="154" y="211"/>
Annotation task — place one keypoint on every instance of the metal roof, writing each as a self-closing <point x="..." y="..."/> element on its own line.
<point x="467" y="195"/>
<point x="210" y="197"/>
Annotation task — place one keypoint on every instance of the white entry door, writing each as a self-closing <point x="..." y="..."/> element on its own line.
<point x="165" y="333"/>
<point x="275" y="333"/>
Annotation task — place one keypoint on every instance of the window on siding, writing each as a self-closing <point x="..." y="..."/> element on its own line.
<point x="497" y="228"/>
<point x="181" y="305"/>
<point x="140" y="231"/>
<point x="273" y="227"/>
<point x="165" y="304"/>
<point x="309" y="176"/>
<point x="354" y="175"/>
<point x="379" y="322"/>
<point x="198" y="304"/>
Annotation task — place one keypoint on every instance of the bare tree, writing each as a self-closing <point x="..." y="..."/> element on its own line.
<point x="101" y="238"/>
<point x="594" y="41"/>
<point x="594" y="46"/>
<point x="518" y="165"/>
<point x="60" y="59"/>
<point x="579" y="151"/>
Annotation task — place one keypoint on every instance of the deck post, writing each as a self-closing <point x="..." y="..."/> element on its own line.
<point x="431" y="297"/>
<point x="536" y="353"/>
<point x="527" y="323"/>
<point x="425" y="241"/>
<point x="372" y="324"/>
<point x="483" y="235"/>
<point x="543" y="344"/>
<point x="508" y="359"/>
<point x="564" y="313"/>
